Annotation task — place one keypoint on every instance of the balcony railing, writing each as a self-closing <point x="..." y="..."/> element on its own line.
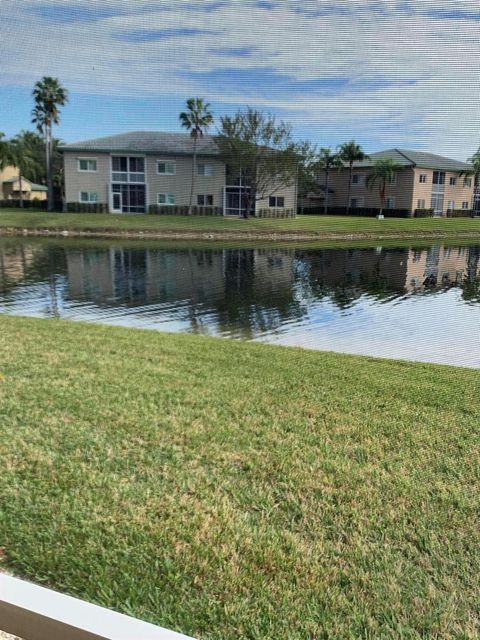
<point x="35" y="613"/>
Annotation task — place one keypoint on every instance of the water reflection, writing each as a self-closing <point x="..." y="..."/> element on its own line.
<point x="375" y="301"/>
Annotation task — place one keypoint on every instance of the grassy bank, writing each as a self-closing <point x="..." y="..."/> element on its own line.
<point x="235" y="490"/>
<point x="302" y="227"/>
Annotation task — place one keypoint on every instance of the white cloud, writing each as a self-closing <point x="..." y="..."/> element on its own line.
<point x="376" y="46"/>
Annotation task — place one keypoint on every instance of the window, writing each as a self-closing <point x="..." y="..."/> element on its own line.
<point x="438" y="177"/>
<point x="165" y="198"/>
<point x="128" y="169"/>
<point x="358" y="179"/>
<point x="276" y="201"/>
<point x="467" y="182"/>
<point x="453" y="181"/>
<point x="355" y="203"/>
<point x="86" y="164"/>
<point x="465" y="204"/>
<point x="166" y="168"/>
<point x="423" y="178"/>
<point x="205" y="200"/>
<point x="88" y="196"/>
<point x="421" y="204"/>
<point x="390" y="203"/>
<point x="205" y="170"/>
<point x="451" y="205"/>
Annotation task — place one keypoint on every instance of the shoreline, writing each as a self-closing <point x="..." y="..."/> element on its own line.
<point x="224" y="235"/>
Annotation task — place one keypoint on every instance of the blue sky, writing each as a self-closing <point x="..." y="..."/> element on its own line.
<point x="385" y="72"/>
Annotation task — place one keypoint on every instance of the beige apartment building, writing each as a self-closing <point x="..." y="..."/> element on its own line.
<point x="424" y="181"/>
<point x="132" y="171"/>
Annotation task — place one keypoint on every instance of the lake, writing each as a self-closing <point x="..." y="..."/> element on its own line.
<point x="413" y="303"/>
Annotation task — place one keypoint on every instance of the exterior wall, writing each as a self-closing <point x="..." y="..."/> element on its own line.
<point x="288" y="193"/>
<point x="179" y="184"/>
<point x="458" y="193"/>
<point x="76" y="181"/>
<point x="401" y="190"/>
<point x="439" y="266"/>
<point x="10" y="190"/>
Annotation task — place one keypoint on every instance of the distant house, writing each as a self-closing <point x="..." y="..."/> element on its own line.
<point x="425" y="181"/>
<point x="10" y="186"/>
<point x="131" y="172"/>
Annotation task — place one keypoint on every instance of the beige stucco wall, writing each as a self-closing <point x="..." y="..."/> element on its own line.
<point x="10" y="190"/>
<point x="179" y="184"/>
<point x="76" y="181"/>
<point x="458" y="193"/>
<point x="401" y="190"/>
<point x="287" y="192"/>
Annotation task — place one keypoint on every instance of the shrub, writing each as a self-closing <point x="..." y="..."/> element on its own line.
<point x="367" y="212"/>
<point x="424" y="213"/>
<point x="87" y="207"/>
<point x="460" y="213"/>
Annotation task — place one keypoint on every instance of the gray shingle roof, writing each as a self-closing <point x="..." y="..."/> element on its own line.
<point x="150" y="142"/>
<point x="35" y="187"/>
<point x="421" y="159"/>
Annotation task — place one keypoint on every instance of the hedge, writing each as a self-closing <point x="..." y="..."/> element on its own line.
<point x="368" y="212"/>
<point x="27" y="204"/>
<point x="174" y="210"/>
<point x="424" y="213"/>
<point x="460" y="213"/>
<point x="84" y="207"/>
<point x="275" y="213"/>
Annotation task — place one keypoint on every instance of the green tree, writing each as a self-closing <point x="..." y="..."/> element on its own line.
<point x="326" y="161"/>
<point x="349" y="153"/>
<point x="383" y="172"/>
<point x="474" y="160"/>
<point x="196" y="119"/>
<point x="6" y="152"/>
<point x="49" y="95"/>
<point x="261" y="152"/>
<point x="23" y="159"/>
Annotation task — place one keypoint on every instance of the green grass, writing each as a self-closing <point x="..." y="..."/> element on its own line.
<point x="309" y="226"/>
<point x="233" y="490"/>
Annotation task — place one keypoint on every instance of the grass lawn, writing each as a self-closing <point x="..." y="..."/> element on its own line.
<point x="302" y="226"/>
<point x="233" y="490"/>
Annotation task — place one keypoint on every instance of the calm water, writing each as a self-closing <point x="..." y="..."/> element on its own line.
<point x="418" y="304"/>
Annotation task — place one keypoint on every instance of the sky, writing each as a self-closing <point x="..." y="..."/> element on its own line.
<point x="387" y="73"/>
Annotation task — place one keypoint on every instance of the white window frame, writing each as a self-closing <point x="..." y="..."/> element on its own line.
<point x="392" y="199"/>
<point x="361" y="180"/>
<point x="453" y="181"/>
<point x="80" y="170"/>
<point x="205" y="174"/>
<point x="421" y="203"/>
<point x="465" y="202"/>
<point x="451" y="205"/>
<point x="467" y="182"/>
<point x="276" y="205"/>
<point x="166" y="196"/>
<point x="128" y="177"/>
<point x="204" y="196"/>
<point x="361" y="202"/>
<point x="165" y="162"/>
<point x="424" y="180"/>
<point x="89" y="201"/>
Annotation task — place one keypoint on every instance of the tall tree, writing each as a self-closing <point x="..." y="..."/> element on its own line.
<point x="6" y="152"/>
<point x="261" y="152"/>
<point x="327" y="160"/>
<point x="49" y="95"/>
<point x="474" y="160"/>
<point x="349" y="153"/>
<point x="382" y="173"/>
<point x="196" y="119"/>
<point x="23" y="159"/>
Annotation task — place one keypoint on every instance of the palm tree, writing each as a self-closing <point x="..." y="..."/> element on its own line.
<point x="383" y="171"/>
<point x="23" y="159"/>
<point x="474" y="160"/>
<point x="351" y="152"/>
<point x="49" y="95"/>
<point x="196" y="119"/>
<point x="327" y="160"/>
